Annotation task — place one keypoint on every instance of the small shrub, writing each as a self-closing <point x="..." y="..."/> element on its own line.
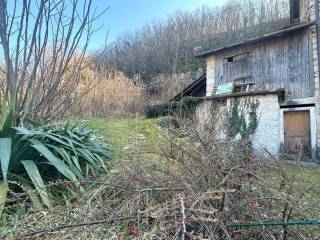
<point x="36" y="156"/>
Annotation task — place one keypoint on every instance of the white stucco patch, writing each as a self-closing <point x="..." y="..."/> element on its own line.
<point x="267" y="135"/>
<point x="268" y="131"/>
<point x="203" y="113"/>
<point x="211" y="65"/>
<point x="207" y="120"/>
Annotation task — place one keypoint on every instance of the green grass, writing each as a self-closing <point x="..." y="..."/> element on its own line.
<point x="123" y="132"/>
<point x="313" y="173"/>
<point x="126" y="132"/>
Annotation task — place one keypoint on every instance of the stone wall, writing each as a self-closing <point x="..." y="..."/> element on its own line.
<point x="315" y="57"/>
<point x="268" y="131"/>
<point x="308" y="10"/>
<point x="212" y="118"/>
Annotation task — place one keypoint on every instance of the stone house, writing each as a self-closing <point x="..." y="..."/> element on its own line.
<point x="280" y="68"/>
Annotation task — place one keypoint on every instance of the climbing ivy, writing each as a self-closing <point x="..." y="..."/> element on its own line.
<point x="243" y="119"/>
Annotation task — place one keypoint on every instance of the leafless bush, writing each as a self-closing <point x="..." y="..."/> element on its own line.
<point x="192" y="186"/>
<point x="165" y="86"/>
<point x="43" y="50"/>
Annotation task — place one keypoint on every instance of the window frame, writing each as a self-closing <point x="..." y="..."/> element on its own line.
<point x="245" y="85"/>
<point x="237" y="57"/>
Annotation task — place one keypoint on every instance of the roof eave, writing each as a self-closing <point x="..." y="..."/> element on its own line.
<point x="275" y="34"/>
<point x="278" y="91"/>
<point x="190" y="86"/>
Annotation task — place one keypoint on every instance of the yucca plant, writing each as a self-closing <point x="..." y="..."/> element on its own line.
<point x="47" y="153"/>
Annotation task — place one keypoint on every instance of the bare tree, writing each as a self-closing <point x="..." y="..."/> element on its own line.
<point x="167" y="47"/>
<point x="44" y="43"/>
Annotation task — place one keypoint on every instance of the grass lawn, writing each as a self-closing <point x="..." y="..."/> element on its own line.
<point x="126" y="132"/>
<point x="122" y="133"/>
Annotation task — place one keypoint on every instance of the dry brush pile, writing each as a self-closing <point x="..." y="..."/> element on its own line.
<point x="193" y="186"/>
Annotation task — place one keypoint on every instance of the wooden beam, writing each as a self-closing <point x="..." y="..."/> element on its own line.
<point x="277" y="34"/>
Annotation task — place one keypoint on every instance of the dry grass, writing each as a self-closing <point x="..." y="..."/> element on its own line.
<point x="188" y="180"/>
<point x="111" y="93"/>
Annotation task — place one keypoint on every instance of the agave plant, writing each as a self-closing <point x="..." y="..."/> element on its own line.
<point x="47" y="153"/>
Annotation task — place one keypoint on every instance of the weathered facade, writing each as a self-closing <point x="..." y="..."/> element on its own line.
<point x="280" y="70"/>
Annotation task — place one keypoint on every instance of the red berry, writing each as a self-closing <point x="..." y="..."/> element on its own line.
<point x="65" y="183"/>
<point x="178" y="183"/>
<point x="180" y="220"/>
<point x="253" y="203"/>
<point x="133" y="231"/>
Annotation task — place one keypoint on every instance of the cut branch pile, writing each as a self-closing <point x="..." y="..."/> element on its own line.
<point x="192" y="186"/>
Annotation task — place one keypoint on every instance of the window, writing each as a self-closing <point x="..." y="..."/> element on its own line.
<point x="243" y="84"/>
<point x="239" y="85"/>
<point x="238" y="57"/>
<point x="230" y="59"/>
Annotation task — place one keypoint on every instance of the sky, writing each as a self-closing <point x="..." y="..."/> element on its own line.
<point x="123" y="16"/>
<point x="129" y="15"/>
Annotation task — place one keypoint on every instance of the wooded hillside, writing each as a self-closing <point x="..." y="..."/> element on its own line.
<point x="161" y="49"/>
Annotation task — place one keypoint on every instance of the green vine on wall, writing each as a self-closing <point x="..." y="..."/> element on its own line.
<point x="243" y="118"/>
<point x="242" y="115"/>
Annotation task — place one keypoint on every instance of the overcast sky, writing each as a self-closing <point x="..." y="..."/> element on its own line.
<point x="128" y="15"/>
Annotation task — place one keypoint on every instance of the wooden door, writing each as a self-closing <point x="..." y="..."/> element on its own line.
<point x="297" y="137"/>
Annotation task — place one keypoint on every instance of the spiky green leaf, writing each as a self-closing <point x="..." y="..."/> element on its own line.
<point x="37" y="181"/>
<point x="5" y="153"/>
<point x="56" y="162"/>
<point x="6" y="129"/>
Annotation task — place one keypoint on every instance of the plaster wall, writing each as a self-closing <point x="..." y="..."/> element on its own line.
<point x="268" y="131"/>
<point x="211" y="65"/>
